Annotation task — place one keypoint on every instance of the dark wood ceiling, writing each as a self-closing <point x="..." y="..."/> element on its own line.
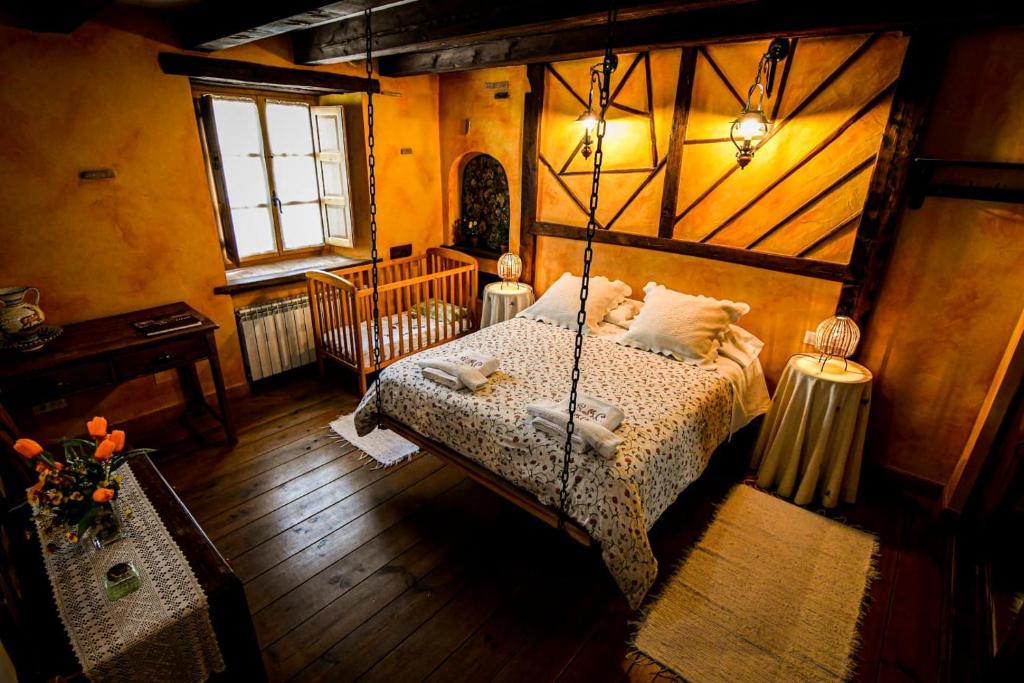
<point x="430" y="36"/>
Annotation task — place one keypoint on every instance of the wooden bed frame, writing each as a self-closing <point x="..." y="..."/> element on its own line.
<point x="507" y="490"/>
<point x="341" y="303"/>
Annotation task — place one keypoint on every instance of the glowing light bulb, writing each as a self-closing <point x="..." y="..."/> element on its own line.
<point x="588" y="121"/>
<point x="752" y="125"/>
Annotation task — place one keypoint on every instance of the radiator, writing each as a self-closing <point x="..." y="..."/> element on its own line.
<point x="276" y="336"/>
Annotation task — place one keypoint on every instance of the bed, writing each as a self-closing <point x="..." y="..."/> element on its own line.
<point x="676" y="415"/>
<point x="424" y="301"/>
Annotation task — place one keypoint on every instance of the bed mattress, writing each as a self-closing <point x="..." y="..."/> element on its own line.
<point x="675" y="416"/>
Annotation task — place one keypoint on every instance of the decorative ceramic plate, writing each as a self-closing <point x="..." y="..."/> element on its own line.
<point x="33" y="342"/>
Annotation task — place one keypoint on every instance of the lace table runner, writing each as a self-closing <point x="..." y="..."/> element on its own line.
<point x="162" y="631"/>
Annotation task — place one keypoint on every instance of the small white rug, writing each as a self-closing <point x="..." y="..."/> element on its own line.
<point x="383" y="445"/>
<point x="772" y="592"/>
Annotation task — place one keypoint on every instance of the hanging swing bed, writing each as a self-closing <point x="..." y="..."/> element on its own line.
<point x="677" y="414"/>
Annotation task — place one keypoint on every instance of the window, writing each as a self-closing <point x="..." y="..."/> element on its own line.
<point x="280" y="174"/>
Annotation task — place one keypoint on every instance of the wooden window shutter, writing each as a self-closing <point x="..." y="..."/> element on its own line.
<point x="332" y="174"/>
<point x="208" y="132"/>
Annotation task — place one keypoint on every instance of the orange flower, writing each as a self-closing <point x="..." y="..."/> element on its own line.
<point x="97" y="427"/>
<point x="117" y="436"/>
<point x="28" y="448"/>
<point x="103" y="495"/>
<point x="105" y="449"/>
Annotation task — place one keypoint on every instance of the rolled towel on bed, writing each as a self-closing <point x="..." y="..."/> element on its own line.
<point x="593" y="425"/>
<point x="468" y="369"/>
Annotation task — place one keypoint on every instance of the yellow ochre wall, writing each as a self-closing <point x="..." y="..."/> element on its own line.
<point x="955" y="286"/>
<point x="495" y="128"/>
<point x="97" y="99"/>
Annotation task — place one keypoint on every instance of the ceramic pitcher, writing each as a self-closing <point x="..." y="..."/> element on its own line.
<point x="18" y="316"/>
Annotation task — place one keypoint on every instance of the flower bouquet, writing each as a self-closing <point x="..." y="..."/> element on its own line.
<point x="79" y="492"/>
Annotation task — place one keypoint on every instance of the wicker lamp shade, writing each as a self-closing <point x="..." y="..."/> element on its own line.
<point x="837" y="336"/>
<point x="510" y="267"/>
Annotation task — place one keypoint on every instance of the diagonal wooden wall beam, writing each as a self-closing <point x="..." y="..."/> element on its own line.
<point x="721" y="75"/>
<point x="677" y="140"/>
<point x="650" y="108"/>
<point x="829" y="235"/>
<point x="784" y="79"/>
<point x="815" y="199"/>
<point x="568" y="190"/>
<point x="636" y="193"/>
<point x="917" y="86"/>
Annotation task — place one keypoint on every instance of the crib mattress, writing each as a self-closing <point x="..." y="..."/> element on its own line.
<point x="410" y="332"/>
<point x="676" y="415"/>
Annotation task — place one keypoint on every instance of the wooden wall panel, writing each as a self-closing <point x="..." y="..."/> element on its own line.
<point x="639" y="121"/>
<point x="801" y="194"/>
<point x="839" y="117"/>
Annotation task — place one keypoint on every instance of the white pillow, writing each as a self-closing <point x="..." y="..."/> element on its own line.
<point x="739" y="346"/>
<point x="685" y="327"/>
<point x="623" y="314"/>
<point x="560" y="304"/>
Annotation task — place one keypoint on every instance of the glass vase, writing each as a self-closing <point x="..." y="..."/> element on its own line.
<point x="106" y="528"/>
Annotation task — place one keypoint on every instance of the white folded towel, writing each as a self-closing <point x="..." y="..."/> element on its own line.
<point x="468" y="369"/>
<point x="442" y="378"/>
<point x="593" y="425"/>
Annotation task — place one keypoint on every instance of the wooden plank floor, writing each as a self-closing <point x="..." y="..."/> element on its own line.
<point x="415" y="573"/>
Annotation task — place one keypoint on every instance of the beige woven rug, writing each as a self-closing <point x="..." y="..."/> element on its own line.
<point x="771" y="593"/>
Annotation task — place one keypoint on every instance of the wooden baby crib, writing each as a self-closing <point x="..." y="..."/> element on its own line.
<point x="424" y="301"/>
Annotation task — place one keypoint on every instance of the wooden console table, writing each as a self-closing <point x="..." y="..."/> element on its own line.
<point x="108" y="351"/>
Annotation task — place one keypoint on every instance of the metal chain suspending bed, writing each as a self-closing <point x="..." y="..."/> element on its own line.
<point x="372" y="161"/>
<point x="603" y="83"/>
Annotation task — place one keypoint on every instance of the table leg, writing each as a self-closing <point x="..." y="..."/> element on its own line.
<point x="222" y="394"/>
<point x="192" y="388"/>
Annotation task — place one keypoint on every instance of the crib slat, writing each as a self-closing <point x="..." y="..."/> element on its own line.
<point x="408" y="308"/>
<point x="389" y="298"/>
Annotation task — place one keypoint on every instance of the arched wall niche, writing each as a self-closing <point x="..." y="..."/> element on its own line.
<point x="482" y="203"/>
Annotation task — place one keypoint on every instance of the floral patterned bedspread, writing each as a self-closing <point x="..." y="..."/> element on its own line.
<point x="675" y="416"/>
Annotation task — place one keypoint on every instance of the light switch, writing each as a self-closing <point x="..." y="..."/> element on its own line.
<point x="810" y="337"/>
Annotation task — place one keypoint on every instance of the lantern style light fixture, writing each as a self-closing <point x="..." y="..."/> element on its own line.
<point x="752" y="123"/>
<point x="836" y="337"/>
<point x="510" y="267"/>
<point x="588" y="119"/>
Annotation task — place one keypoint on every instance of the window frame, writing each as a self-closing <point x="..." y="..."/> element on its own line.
<point x="218" y="186"/>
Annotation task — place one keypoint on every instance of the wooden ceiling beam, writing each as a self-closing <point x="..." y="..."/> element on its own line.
<point x="236" y="73"/>
<point x="445" y="24"/>
<point x="752" y="21"/>
<point x="220" y="24"/>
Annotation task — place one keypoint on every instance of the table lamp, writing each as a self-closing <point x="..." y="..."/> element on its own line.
<point x="836" y="337"/>
<point x="510" y="267"/>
